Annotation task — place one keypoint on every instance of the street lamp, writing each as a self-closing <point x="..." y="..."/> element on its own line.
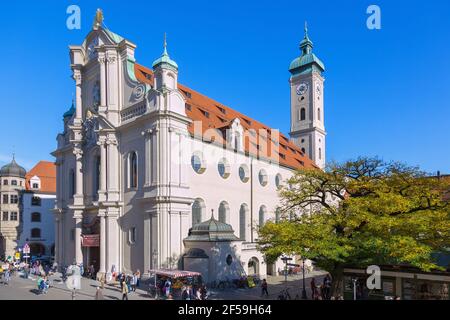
<point x="285" y="259"/>
<point x="355" y="281"/>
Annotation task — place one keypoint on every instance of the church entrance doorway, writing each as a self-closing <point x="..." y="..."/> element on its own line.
<point x="253" y="266"/>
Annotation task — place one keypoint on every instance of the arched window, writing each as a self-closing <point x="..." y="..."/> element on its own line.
<point x="277" y="215"/>
<point x="237" y="141"/>
<point x="303" y="150"/>
<point x="243" y="221"/>
<point x="224" y="210"/>
<point x="97" y="174"/>
<point x="35" y="217"/>
<point x="262" y="215"/>
<point x="71" y="182"/>
<point x="302" y="114"/>
<point x="133" y="170"/>
<point x="198" y="211"/>
<point x="35" y="233"/>
<point x="318" y="114"/>
<point x="14" y="182"/>
<point x="320" y="153"/>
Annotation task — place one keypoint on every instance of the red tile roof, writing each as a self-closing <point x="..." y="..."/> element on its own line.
<point x="46" y="171"/>
<point x="218" y="117"/>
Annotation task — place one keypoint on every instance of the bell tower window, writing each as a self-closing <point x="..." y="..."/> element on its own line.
<point x="302" y="114"/>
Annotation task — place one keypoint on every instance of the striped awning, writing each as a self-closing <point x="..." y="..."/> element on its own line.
<point x="174" y="273"/>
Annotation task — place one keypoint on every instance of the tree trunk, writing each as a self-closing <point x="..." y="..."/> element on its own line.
<point x="337" y="277"/>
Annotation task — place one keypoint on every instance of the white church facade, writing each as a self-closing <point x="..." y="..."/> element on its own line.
<point x="143" y="160"/>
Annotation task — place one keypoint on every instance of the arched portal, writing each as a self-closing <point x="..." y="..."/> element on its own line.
<point x="37" y="249"/>
<point x="253" y="266"/>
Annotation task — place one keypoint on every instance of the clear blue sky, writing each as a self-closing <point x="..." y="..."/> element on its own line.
<point x="387" y="91"/>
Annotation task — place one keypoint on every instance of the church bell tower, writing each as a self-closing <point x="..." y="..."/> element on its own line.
<point x="307" y="106"/>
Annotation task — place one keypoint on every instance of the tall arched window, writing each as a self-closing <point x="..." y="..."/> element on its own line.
<point x="35" y="233"/>
<point x="133" y="170"/>
<point x="224" y="210"/>
<point x="35" y="217"/>
<point x="277" y="215"/>
<point x="198" y="211"/>
<point x="97" y="174"/>
<point x="262" y="215"/>
<point x="320" y="153"/>
<point x="243" y="221"/>
<point x="318" y="114"/>
<point x="71" y="182"/>
<point x="302" y="114"/>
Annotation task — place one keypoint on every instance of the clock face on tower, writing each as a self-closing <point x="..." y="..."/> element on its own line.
<point x="302" y="88"/>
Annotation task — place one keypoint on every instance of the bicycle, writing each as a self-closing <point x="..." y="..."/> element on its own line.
<point x="284" y="295"/>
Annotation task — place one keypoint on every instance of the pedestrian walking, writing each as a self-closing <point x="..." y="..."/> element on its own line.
<point x="138" y="277"/>
<point x="313" y="289"/>
<point x="99" y="294"/>
<point x="124" y="292"/>
<point x="264" y="288"/>
<point x="7" y="277"/>
<point x="133" y="282"/>
<point x="167" y="287"/>
<point x="327" y="287"/>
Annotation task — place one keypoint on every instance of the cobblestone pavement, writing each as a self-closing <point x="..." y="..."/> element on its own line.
<point x="26" y="289"/>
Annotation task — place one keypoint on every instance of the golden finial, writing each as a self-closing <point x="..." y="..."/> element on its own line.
<point x="98" y="21"/>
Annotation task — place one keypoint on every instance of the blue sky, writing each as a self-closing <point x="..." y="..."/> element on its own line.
<point x="386" y="91"/>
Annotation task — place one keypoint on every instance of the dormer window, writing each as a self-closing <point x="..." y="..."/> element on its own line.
<point x="35" y="183"/>
<point x="221" y="109"/>
<point x="235" y="135"/>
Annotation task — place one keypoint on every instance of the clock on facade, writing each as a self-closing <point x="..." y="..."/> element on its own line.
<point x="302" y="88"/>
<point x="91" y="48"/>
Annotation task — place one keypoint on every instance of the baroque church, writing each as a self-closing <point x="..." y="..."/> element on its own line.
<point x="153" y="174"/>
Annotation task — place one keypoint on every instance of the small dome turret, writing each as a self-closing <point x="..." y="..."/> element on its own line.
<point x="307" y="57"/>
<point x="165" y="59"/>
<point x="13" y="170"/>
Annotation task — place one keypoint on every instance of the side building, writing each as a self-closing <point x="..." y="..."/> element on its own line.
<point x="38" y="202"/>
<point x="12" y="183"/>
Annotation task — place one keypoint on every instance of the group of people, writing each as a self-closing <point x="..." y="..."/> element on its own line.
<point x="187" y="291"/>
<point x="128" y="283"/>
<point x="323" y="291"/>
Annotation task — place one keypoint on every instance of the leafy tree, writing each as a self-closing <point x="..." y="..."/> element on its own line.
<point x="360" y="213"/>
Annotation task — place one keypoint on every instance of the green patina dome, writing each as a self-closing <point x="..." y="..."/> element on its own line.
<point x="13" y="170"/>
<point x="307" y="57"/>
<point x="69" y="112"/>
<point x="165" y="59"/>
<point x="212" y="230"/>
<point x="305" y="60"/>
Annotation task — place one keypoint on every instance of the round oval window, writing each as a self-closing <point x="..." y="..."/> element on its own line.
<point x="229" y="259"/>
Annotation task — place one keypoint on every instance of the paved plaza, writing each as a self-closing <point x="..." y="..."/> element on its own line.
<point x="26" y="289"/>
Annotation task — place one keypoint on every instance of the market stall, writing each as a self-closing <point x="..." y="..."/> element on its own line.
<point x="178" y="280"/>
